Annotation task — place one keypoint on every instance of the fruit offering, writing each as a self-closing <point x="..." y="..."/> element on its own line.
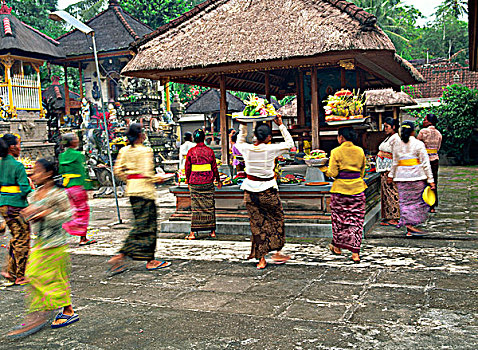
<point x="27" y="162"/>
<point x="291" y="179"/>
<point x="256" y="107"/>
<point x="344" y="105"/>
<point x="316" y="154"/>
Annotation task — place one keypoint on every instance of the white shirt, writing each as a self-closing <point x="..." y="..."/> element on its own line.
<point x="260" y="159"/>
<point x="183" y="152"/>
<point x="414" y="149"/>
<point x="385" y="164"/>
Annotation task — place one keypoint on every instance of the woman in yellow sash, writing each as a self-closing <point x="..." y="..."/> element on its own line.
<point x="14" y="188"/>
<point x="201" y="171"/>
<point x="410" y="171"/>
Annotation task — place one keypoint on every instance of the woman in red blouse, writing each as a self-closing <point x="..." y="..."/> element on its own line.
<point x="201" y="171"/>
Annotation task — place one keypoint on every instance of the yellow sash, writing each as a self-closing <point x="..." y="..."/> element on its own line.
<point x="408" y="162"/>
<point x="67" y="177"/>
<point x="201" y="167"/>
<point x="10" y="189"/>
<point x="432" y="150"/>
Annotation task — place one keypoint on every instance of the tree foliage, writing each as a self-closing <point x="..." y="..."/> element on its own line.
<point x="457" y="117"/>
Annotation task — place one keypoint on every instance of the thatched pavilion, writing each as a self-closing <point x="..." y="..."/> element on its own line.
<point x="304" y="47"/>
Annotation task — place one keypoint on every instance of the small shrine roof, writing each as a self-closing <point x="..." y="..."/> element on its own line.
<point x="115" y="30"/>
<point x="20" y="39"/>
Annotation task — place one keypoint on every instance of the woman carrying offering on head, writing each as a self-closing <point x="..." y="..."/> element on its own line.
<point x="390" y="207"/>
<point x="14" y="188"/>
<point x="261" y="191"/>
<point x="347" y="202"/>
<point x="410" y="171"/>
<point x="72" y="170"/>
<point x="201" y="171"/>
<point x="48" y="268"/>
<point x="135" y="166"/>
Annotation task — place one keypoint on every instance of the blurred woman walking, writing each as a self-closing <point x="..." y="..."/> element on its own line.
<point x="72" y="169"/>
<point x="14" y="188"/>
<point x="261" y="196"/>
<point x="201" y="171"/>
<point x="347" y="202"/>
<point x="389" y="195"/>
<point x="411" y="170"/>
<point x="48" y="269"/>
<point x="135" y="165"/>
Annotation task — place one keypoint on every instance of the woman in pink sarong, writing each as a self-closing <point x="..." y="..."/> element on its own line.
<point x="72" y="169"/>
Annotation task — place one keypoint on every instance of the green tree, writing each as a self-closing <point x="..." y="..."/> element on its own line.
<point x="35" y="13"/>
<point x="455" y="8"/>
<point x="457" y="117"/>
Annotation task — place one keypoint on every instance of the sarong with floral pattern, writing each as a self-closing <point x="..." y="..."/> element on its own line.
<point x="267" y="222"/>
<point x="390" y="206"/>
<point x="203" y="207"/>
<point x="348" y="212"/>
<point x="413" y="209"/>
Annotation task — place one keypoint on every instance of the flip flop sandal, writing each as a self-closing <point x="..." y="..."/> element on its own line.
<point x="190" y="238"/>
<point x="280" y="261"/>
<point x="332" y="250"/>
<point x="116" y="269"/>
<point x="91" y="241"/>
<point x="383" y="223"/>
<point x="69" y="320"/>
<point x="160" y="266"/>
<point x="27" y="332"/>
<point x="8" y="283"/>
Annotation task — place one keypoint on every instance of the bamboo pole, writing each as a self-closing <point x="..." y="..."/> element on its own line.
<point x="67" y="91"/>
<point x="315" y="109"/>
<point x="223" y="122"/>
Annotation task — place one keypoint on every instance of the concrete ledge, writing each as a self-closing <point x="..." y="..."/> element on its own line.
<point x="291" y="229"/>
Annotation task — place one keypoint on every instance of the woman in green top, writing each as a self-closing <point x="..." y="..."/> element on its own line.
<point x="14" y="188"/>
<point x="72" y="169"/>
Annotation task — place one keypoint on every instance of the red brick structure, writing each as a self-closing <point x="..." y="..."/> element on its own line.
<point x="438" y="74"/>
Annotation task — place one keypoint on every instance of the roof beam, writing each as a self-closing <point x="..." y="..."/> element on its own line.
<point x="375" y="69"/>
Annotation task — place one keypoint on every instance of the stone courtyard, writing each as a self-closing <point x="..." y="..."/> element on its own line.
<point x="407" y="293"/>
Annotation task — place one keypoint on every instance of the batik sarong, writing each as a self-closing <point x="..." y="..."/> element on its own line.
<point x="413" y="209"/>
<point x="390" y="206"/>
<point x="19" y="245"/>
<point x="203" y="207"/>
<point x="78" y="197"/>
<point x="141" y="241"/>
<point x="48" y="273"/>
<point x="434" y="166"/>
<point x="267" y="222"/>
<point x="348" y="212"/>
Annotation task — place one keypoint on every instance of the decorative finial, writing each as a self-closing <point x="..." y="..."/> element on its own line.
<point x="113" y="3"/>
<point x="5" y="10"/>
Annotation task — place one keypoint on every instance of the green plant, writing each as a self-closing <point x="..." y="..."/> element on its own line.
<point x="457" y="117"/>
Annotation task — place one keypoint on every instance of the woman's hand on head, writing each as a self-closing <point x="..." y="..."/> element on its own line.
<point x="278" y="120"/>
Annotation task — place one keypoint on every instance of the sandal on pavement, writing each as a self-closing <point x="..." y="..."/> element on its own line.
<point x="332" y="250"/>
<point x="116" y="269"/>
<point x="261" y="267"/>
<point x="69" y="320"/>
<point x="282" y="260"/>
<point x="385" y="223"/>
<point x="88" y="242"/>
<point x="190" y="237"/>
<point x="162" y="265"/>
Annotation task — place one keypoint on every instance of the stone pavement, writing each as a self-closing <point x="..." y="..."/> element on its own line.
<point x="406" y="293"/>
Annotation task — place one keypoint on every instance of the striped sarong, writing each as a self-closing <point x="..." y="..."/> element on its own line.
<point x="203" y="207"/>
<point x="413" y="209"/>
<point x="348" y="212"/>
<point x="48" y="272"/>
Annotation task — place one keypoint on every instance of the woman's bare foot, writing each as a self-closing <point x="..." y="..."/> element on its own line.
<point x="3" y="226"/>
<point x="280" y="258"/>
<point x="262" y="264"/>
<point x="334" y="250"/>
<point x="115" y="260"/>
<point x="356" y="257"/>
<point x="213" y="234"/>
<point x="21" y="281"/>
<point x="7" y="276"/>
<point x="190" y="237"/>
<point x="413" y="229"/>
<point x="33" y="320"/>
<point x="68" y="311"/>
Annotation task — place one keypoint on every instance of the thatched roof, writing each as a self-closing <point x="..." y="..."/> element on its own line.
<point x="231" y="36"/>
<point x="209" y="102"/>
<point x="18" y="38"/>
<point x="387" y="97"/>
<point x="114" y="29"/>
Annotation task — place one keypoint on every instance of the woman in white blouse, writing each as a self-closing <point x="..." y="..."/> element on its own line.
<point x="390" y="207"/>
<point x="411" y="170"/>
<point x="260" y="191"/>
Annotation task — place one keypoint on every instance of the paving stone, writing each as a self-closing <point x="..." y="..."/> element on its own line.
<point x="320" y="291"/>
<point x="308" y="310"/>
<point x="395" y="295"/>
<point x="454" y="300"/>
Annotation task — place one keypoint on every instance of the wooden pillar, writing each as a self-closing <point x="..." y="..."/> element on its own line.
<point x="314" y="87"/>
<point x="223" y="121"/>
<point x="300" y="100"/>
<point x="267" y="84"/>
<point x="343" y="81"/>
<point x="379" y="121"/>
<point x="396" y="112"/>
<point x="8" y="73"/>
<point x="67" y="91"/>
<point x="168" y="102"/>
<point x="80" y="73"/>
